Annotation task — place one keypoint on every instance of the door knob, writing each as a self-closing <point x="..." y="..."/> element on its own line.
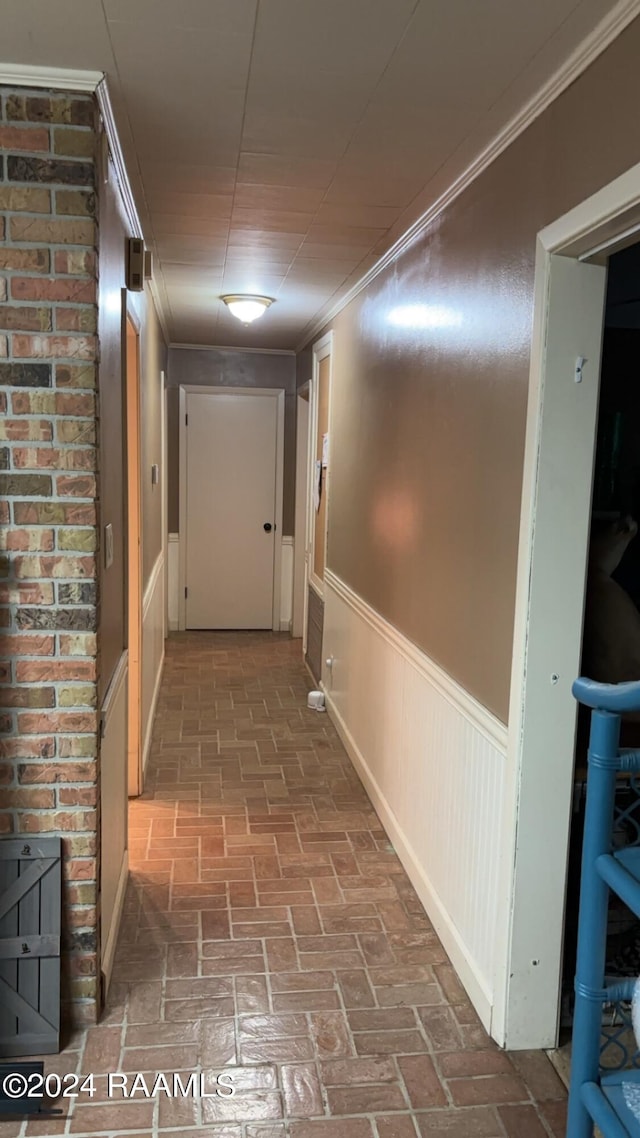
<point x="267" y="527"/>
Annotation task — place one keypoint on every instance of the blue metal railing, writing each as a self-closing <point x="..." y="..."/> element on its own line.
<point x="605" y="759"/>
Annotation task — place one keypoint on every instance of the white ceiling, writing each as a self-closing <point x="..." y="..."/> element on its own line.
<point x="281" y="146"/>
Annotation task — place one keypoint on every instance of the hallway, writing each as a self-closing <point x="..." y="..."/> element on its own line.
<point x="271" y="931"/>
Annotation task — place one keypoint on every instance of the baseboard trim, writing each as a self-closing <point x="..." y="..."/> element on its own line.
<point x="478" y="993"/>
<point x="118" y="678"/>
<point x="149" y="592"/>
<point x="151" y="583"/>
<point x="106" y="964"/>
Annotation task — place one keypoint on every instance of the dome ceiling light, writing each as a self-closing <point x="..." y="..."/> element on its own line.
<point x="247" y="308"/>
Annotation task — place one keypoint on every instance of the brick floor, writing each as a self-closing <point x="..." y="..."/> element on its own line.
<point x="271" y="931"/>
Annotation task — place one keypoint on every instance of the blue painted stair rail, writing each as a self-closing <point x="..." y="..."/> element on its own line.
<point x="586" y="1099"/>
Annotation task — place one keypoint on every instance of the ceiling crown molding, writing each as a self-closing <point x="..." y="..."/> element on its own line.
<point x="124" y="186"/>
<point x="230" y="348"/>
<point x="116" y="155"/>
<point x="56" y="78"/>
<point x="584" y="54"/>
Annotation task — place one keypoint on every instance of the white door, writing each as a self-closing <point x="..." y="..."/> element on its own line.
<point x="231" y="510"/>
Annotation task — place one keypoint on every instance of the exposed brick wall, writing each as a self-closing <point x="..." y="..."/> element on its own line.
<point x="48" y="538"/>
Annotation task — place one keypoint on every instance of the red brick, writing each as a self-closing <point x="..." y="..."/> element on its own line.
<point x="72" y="721"/>
<point x="23" y="430"/>
<point x="72" y="403"/>
<point x="53" y="458"/>
<point x="421" y="1080"/>
<point x="54" y="513"/>
<point x="24" y="260"/>
<point x="26" y="593"/>
<point x="30" y="199"/>
<point x="57" y="820"/>
<point x="522" y="1122"/>
<point x="6" y="824"/>
<point x="36" y="671"/>
<point x="33" y="403"/>
<point x="24" y="318"/>
<point x="40" y="696"/>
<point x="78" y="644"/>
<point x="39" y="288"/>
<point x="77" y="796"/>
<point x="79" y="486"/>
<point x="24" y="138"/>
<point x="75" y="262"/>
<point x="81" y="869"/>
<point x="38" y="748"/>
<point x="65" y="566"/>
<point x="490" y="1091"/>
<point x="29" y="799"/>
<point x="27" y="540"/>
<point x="55" y="347"/>
<point x="57" y="772"/>
<point x="27" y="645"/>
<point x="76" y="319"/>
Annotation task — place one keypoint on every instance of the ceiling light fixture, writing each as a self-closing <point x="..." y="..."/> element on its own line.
<point x="247" y="308"/>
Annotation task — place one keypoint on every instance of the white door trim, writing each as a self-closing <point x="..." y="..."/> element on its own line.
<point x="164" y="487"/>
<point x="320" y="350"/>
<point x="301" y="527"/>
<point x="526" y="1004"/>
<point x="271" y="392"/>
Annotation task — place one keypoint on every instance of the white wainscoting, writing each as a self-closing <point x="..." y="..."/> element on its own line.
<point x="286" y="584"/>
<point x="114" y="866"/>
<point x="152" y="651"/>
<point x="432" y="760"/>
<point x="173" y="580"/>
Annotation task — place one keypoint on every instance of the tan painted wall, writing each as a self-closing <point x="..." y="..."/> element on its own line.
<point x="113" y="234"/>
<point x="112" y="581"/>
<point x="428" y="422"/>
<point x="153" y="362"/>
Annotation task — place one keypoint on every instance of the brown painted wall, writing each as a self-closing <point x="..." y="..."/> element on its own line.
<point x="113" y="234"/>
<point x="153" y="362"/>
<point x="112" y="237"/>
<point x="223" y="367"/>
<point x="428" y="422"/>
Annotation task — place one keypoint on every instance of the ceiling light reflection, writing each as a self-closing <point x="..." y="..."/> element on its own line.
<point x="424" y="316"/>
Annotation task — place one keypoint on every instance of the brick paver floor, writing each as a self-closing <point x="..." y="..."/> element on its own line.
<point x="271" y="932"/>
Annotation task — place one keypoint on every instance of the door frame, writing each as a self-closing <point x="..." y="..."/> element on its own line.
<point x="319" y="351"/>
<point x="134" y="600"/>
<point x="301" y="551"/>
<point x="199" y="389"/>
<point x="541" y="745"/>
<point x="164" y="488"/>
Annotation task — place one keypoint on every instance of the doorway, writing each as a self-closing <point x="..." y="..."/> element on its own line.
<point x="611" y="639"/>
<point x="134" y="554"/>
<point x="571" y="271"/>
<point x="231" y="484"/>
